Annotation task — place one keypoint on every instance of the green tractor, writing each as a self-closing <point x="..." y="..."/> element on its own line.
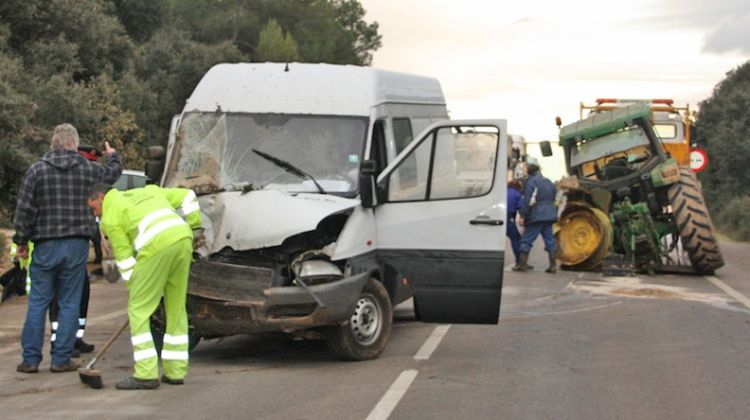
<point x="628" y="204"/>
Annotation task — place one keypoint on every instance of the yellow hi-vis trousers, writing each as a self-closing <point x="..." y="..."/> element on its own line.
<point x="164" y="274"/>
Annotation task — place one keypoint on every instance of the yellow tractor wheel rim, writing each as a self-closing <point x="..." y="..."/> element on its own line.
<point x="584" y="237"/>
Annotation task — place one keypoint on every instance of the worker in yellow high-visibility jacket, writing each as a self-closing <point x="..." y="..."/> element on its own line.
<point x="24" y="263"/>
<point x="150" y="230"/>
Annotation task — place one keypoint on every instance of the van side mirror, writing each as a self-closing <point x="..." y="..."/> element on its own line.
<point x="368" y="169"/>
<point x="546" y="148"/>
<point x="155" y="163"/>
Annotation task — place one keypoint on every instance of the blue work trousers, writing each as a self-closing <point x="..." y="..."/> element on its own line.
<point x="57" y="268"/>
<point x="532" y="230"/>
<point x="515" y="239"/>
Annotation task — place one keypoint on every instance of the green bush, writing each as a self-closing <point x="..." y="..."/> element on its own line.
<point x="733" y="219"/>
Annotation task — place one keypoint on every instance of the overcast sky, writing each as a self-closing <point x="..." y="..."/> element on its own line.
<point x="529" y="61"/>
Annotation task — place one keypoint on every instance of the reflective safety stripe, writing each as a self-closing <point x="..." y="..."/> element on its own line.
<point x="174" y="355"/>
<point x="141" y="338"/>
<point x="189" y="198"/>
<point x="189" y="204"/>
<point x="126" y="275"/>
<point x="79" y="334"/>
<point x="176" y="339"/>
<point x="144" y="354"/>
<point x="126" y="264"/>
<point x="28" y="285"/>
<point x="82" y="322"/>
<point x="53" y="337"/>
<point x="151" y="217"/>
<point x="151" y="233"/>
<point x="55" y="324"/>
<point x="189" y="208"/>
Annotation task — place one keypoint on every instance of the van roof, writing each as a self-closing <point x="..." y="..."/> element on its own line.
<point x="320" y="89"/>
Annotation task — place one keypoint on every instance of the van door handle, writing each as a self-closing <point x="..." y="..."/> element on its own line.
<point x="484" y="220"/>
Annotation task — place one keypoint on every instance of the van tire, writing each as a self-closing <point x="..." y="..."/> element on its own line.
<point x="694" y="224"/>
<point x="367" y="331"/>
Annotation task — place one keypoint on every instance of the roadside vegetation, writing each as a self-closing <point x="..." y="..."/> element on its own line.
<point x="723" y="126"/>
<point x="120" y="69"/>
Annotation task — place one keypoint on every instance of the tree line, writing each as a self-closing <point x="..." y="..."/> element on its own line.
<point x="723" y="128"/>
<point x="120" y="69"/>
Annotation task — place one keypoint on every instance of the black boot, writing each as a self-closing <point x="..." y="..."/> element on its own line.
<point x="552" y="263"/>
<point x="135" y="383"/>
<point x="83" y="346"/>
<point x="523" y="263"/>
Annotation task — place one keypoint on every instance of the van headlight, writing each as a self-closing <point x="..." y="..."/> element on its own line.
<point x="318" y="271"/>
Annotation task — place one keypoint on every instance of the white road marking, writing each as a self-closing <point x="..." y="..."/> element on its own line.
<point x="398" y="388"/>
<point x="432" y="342"/>
<point x="728" y="290"/>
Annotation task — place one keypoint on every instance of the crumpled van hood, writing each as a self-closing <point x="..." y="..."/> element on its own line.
<point x="265" y="218"/>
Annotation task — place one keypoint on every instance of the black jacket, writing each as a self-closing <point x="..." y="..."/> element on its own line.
<point x="52" y="198"/>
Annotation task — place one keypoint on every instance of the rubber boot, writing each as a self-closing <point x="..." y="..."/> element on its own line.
<point x="552" y="263"/>
<point x="523" y="263"/>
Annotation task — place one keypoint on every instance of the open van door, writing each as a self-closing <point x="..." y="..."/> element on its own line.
<point x="441" y="219"/>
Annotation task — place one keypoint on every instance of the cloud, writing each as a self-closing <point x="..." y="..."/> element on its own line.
<point x="732" y="34"/>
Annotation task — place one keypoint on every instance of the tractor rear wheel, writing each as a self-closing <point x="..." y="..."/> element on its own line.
<point x="694" y="223"/>
<point x="584" y="237"/>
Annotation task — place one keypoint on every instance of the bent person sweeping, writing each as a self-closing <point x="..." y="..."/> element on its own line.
<point x="150" y="230"/>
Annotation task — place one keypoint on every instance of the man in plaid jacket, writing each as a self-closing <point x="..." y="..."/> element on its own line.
<point x="52" y="212"/>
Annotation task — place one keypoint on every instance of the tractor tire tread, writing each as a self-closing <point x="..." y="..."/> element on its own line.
<point x="694" y="224"/>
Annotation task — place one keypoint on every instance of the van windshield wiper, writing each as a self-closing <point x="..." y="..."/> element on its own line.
<point x="289" y="168"/>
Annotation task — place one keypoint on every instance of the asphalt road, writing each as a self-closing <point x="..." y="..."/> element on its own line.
<point x="568" y="346"/>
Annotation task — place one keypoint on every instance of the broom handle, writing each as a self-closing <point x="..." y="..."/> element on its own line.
<point x="107" y="345"/>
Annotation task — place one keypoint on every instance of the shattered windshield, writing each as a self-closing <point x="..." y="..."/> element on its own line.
<point x="587" y="151"/>
<point x="215" y="152"/>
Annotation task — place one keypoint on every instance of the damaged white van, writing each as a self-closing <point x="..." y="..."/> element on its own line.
<point x="322" y="210"/>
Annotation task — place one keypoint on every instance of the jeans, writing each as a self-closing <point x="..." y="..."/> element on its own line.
<point x="57" y="268"/>
<point x="532" y="230"/>
<point x="54" y="309"/>
<point x="515" y="239"/>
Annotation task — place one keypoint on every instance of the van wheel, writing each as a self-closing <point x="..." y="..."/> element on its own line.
<point x="366" y="332"/>
<point x="158" y="329"/>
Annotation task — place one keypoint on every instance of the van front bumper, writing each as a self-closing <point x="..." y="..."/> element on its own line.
<point x="226" y="299"/>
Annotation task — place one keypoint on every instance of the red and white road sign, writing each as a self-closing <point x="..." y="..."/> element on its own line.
<point x="698" y="159"/>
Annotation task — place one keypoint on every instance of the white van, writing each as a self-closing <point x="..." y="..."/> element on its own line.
<point x="323" y="210"/>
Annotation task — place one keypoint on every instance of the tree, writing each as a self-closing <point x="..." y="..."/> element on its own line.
<point x="20" y="140"/>
<point x="102" y="43"/>
<point x="142" y="18"/>
<point x="331" y="31"/>
<point x="723" y="125"/>
<point x="273" y="45"/>
<point x="364" y="37"/>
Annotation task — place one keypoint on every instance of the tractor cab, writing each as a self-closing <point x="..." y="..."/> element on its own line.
<point x="673" y="125"/>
